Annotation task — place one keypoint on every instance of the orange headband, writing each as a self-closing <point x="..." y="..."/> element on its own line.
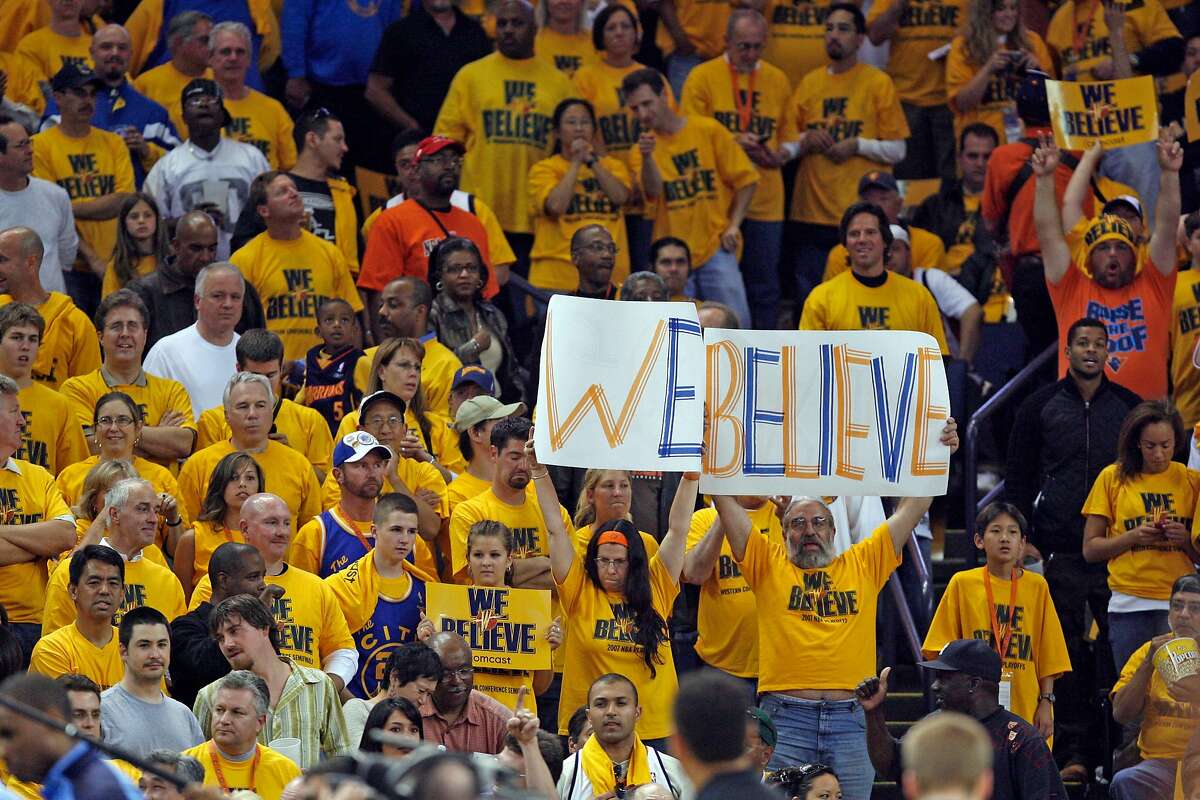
<point x="613" y="537"/>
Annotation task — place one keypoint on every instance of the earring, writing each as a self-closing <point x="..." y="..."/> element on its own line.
<point x="438" y="286"/>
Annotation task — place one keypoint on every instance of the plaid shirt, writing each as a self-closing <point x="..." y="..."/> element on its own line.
<point x="308" y="710"/>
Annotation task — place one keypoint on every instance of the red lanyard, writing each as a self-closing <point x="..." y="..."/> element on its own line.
<point x="216" y="762"/>
<point x="1001" y="643"/>
<point x="745" y="107"/>
<point x="344" y="519"/>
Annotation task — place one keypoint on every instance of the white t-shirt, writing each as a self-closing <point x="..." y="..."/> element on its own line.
<point x="46" y="208"/>
<point x="203" y="368"/>
<point x="190" y="176"/>
<point x="951" y="297"/>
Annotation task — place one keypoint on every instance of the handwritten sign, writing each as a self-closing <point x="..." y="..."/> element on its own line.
<point x="621" y="385"/>
<point x="1114" y="113"/>
<point x="506" y="628"/>
<point x="789" y="412"/>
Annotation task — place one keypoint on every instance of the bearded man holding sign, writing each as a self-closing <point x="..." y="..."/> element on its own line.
<point x="811" y="601"/>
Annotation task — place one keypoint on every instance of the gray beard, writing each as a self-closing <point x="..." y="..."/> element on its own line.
<point x="815" y="560"/>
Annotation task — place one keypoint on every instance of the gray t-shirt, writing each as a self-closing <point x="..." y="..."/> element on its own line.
<point x="141" y="727"/>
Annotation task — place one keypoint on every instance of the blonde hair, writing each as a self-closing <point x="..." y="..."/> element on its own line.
<point x="946" y="752"/>
<point x="980" y="32"/>
<point x="99" y="480"/>
<point x="585" y="510"/>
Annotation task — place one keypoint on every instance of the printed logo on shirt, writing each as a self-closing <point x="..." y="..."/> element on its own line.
<point x="1158" y="506"/>
<point x="300" y="301"/>
<point x="618" y="630"/>
<point x="800" y="13"/>
<point x="874" y="318"/>
<point x="620" y="130"/>
<point x="375" y="644"/>
<point x="239" y="128"/>
<point x="31" y="450"/>
<point x="833" y="120"/>
<point x="1127" y="328"/>
<point x="293" y="639"/>
<point x="694" y="182"/>
<point x="50" y="377"/>
<point x="592" y="202"/>
<point x="1189" y="316"/>
<point x="1020" y="646"/>
<point x="818" y="599"/>
<point x="518" y="122"/>
<point x="527" y="543"/>
<point x="568" y="64"/>
<point x="88" y="182"/>
<point x="759" y="125"/>
<point x="78" y="61"/>
<point x="12" y="509"/>
<point x="918" y="14"/>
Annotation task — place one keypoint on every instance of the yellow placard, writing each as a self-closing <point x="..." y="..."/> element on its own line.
<point x="506" y="628"/>
<point x="1191" y="109"/>
<point x="1114" y="113"/>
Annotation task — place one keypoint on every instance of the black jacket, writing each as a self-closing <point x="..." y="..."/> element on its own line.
<point x="196" y="660"/>
<point x="943" y="213"/>
<point x="1059" y="444"/>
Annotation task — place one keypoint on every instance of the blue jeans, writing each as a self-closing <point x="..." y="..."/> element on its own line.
<point x="720" y="279"/>
<point x="760" y="265"/>
<point x="678" y="68"/>
<point x="809" y="246"/>
<point x="1149" y="780"/>
<point x="1129" y="631"/>
<point x="27" y="634"/>
<point x="640" y="232"/>
<point x="1137" y="167"/>
<point x="832" y="733"/>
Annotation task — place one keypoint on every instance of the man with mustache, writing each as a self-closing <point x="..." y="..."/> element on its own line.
<point x="135" y="714"/>
<point x="810" y="599"/>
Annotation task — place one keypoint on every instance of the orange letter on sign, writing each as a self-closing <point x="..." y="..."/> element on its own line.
<point x="921" y="465"/>
<point x="719" y="410"/>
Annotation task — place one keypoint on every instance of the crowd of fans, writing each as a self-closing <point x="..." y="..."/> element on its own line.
<point x="275" y="280"/>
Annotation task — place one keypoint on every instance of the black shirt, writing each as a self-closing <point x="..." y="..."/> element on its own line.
<point x="196" y="660"/>
<point x="168" y="294"/>
<point x="422" y="59"/>
<point x="318" y="202"/>
<point x="740" y="785"/>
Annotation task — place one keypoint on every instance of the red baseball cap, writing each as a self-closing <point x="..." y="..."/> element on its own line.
<point x="435" y="144"/>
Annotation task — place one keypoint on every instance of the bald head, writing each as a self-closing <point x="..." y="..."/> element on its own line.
<point x="111" y="51"/>
<point x="447" y="643"/>
<point x="27" y="243"/>
<point x="263" y="504"/>
<point x="195" y="242"/>
<point x="21" y="254"/>
<point x="515" y="29"/>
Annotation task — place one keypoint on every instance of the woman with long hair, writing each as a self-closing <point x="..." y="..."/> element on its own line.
<point x="617" y="35"/>
<point x="563" y="37"/>
<point x="90" y="524"/>
<point x="1139" y="515"/>
<point x="605" y="496"/>
<point x="117" y="424"/>
<point x="236" y="477"/>
<point x="575" y="187"/>
<point x="470" y="326"/>
<point x="617" y="587"/>
<point x="141" y="243"/>
<point x="396" y="716"/>
<point x="986" y="61"/>
<point x="489" y="564"/>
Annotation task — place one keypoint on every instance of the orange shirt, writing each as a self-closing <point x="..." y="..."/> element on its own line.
<point x="1138" y="317"/>
<point x="403" y="237"/>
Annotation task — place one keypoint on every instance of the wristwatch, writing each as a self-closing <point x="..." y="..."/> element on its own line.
<point x="1046" y="696"/>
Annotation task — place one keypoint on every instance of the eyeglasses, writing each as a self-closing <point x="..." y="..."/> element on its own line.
<point x="201" y="100"/>
<point x="407" y="366"/>
<point x="461" y="269"/>
<point x="606" y="564"/>
<point x="316" y="114"/>
<point x="378" y="421"/>
<point x="120" y="422"/>
<point x="443" y="160"/>
<point x="1178" y="606"/>
<point x="746" y="47"/>
<point x="601" y="247"/>
<point x="800" y="523"/>
<point x="462" y="673"/>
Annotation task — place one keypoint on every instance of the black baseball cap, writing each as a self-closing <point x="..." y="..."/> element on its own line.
<point x="877" y="179"/>
<point x="74" y="76"/>
<point x="973" y="657"/>
<point x="382" y="395"/>
<point x="205" y="87"/>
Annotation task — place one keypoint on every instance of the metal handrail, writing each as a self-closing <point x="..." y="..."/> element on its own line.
<point x="971" y="504"/>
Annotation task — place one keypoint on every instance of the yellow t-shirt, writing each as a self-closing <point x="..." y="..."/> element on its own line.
<point x="23" y="80"/>
<point x="144" y="266"/>
<point x="67" y="651"/>
<point x="503" y="685"/>
<point x="464" y="487"/>
<point x="69" y="346"/>
<point x="704" y="22"/>
<point x="928" y="252"/>
<point x="1185" y="341"/>
<point x="146" y="584"/>
<point x="311" y="624"/>
<point x="565" y="53"/>
<point x="262" y="121"/>
<point x="502" y="109"/>
<point x="273" y="773"/>
<point x="164" y="85"/>
<point x="286" y="472"/>
<point x="702" y="167"/>
<point x="796" y="36"/>
<point x="846" y="304"/>
<point x="829" y="611"/>
<point x="52" y="437"/>
<point x="27" y="495"/>
<point x="597" y="627"/>
<point x="293" y="278"/>
<point x="306" y="430"/>
<point x="1037" y="648"/>
<point x="860" y="102"/>
<point x="208" y="537"/>
<point x="998" y="97"/>
<point x="1167" y="724"/>
<point x="155" y="396"/>
<point x="1146" y="571"/>
<point x="923" y="28"/>
<point x="89" y="168"/>
<point x="444" y="444"/>
<point x="1146" y="22"/>
<point x="550" y="262"/>
<point x="438" y="366"/>
<point x="709" y="92"/>
<point x="530" y="537"/>
<point x="727" y="619"/>
<point x="48" y="52"/>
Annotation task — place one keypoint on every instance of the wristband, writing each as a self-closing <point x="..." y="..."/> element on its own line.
<point x="172" y="524"/>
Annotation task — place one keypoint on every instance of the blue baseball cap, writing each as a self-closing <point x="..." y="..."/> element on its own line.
<point x="473" y="373"/>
